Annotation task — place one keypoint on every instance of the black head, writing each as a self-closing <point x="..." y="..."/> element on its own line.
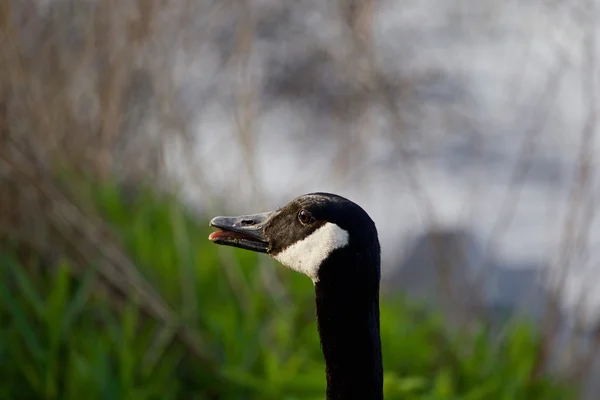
<point x="306" y="234"/>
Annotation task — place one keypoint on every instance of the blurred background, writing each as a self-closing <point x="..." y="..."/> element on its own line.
<point x="466" y="129"/>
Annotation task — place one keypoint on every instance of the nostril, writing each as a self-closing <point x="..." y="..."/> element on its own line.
<point x="245" y="222"/>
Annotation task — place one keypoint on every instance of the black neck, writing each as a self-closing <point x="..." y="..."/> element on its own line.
<point x="348" y="321"/>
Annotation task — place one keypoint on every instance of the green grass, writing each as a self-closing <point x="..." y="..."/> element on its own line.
<point x="60" y="338"/>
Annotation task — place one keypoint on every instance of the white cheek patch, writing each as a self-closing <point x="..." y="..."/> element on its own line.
<point x="306" y="255"/>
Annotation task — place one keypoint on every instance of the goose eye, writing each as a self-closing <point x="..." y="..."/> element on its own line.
<point x="305" y="217"/>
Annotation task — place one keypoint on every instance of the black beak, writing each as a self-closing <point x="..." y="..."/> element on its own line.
<point x="245" y="232"/>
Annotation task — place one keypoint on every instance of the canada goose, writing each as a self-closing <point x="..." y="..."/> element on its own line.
<point x="334" y="242"/>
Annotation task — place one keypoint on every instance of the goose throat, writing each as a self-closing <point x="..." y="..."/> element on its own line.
<point x="307" y="255"/>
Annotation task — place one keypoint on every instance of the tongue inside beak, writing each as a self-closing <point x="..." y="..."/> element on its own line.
<point x="228" y="235"/>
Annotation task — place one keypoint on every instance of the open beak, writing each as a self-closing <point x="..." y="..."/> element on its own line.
<point x="245" y="232"/>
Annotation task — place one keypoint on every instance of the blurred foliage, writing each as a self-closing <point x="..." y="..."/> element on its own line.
<point x="61" y="338"/>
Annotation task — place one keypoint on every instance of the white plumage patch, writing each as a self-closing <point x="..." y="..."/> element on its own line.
<point x="306" y="255"/>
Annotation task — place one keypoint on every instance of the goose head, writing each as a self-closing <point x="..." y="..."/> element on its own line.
<point x="307" y="233"/>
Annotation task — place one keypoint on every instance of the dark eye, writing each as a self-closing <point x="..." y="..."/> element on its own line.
<point x="305" y="217"/>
